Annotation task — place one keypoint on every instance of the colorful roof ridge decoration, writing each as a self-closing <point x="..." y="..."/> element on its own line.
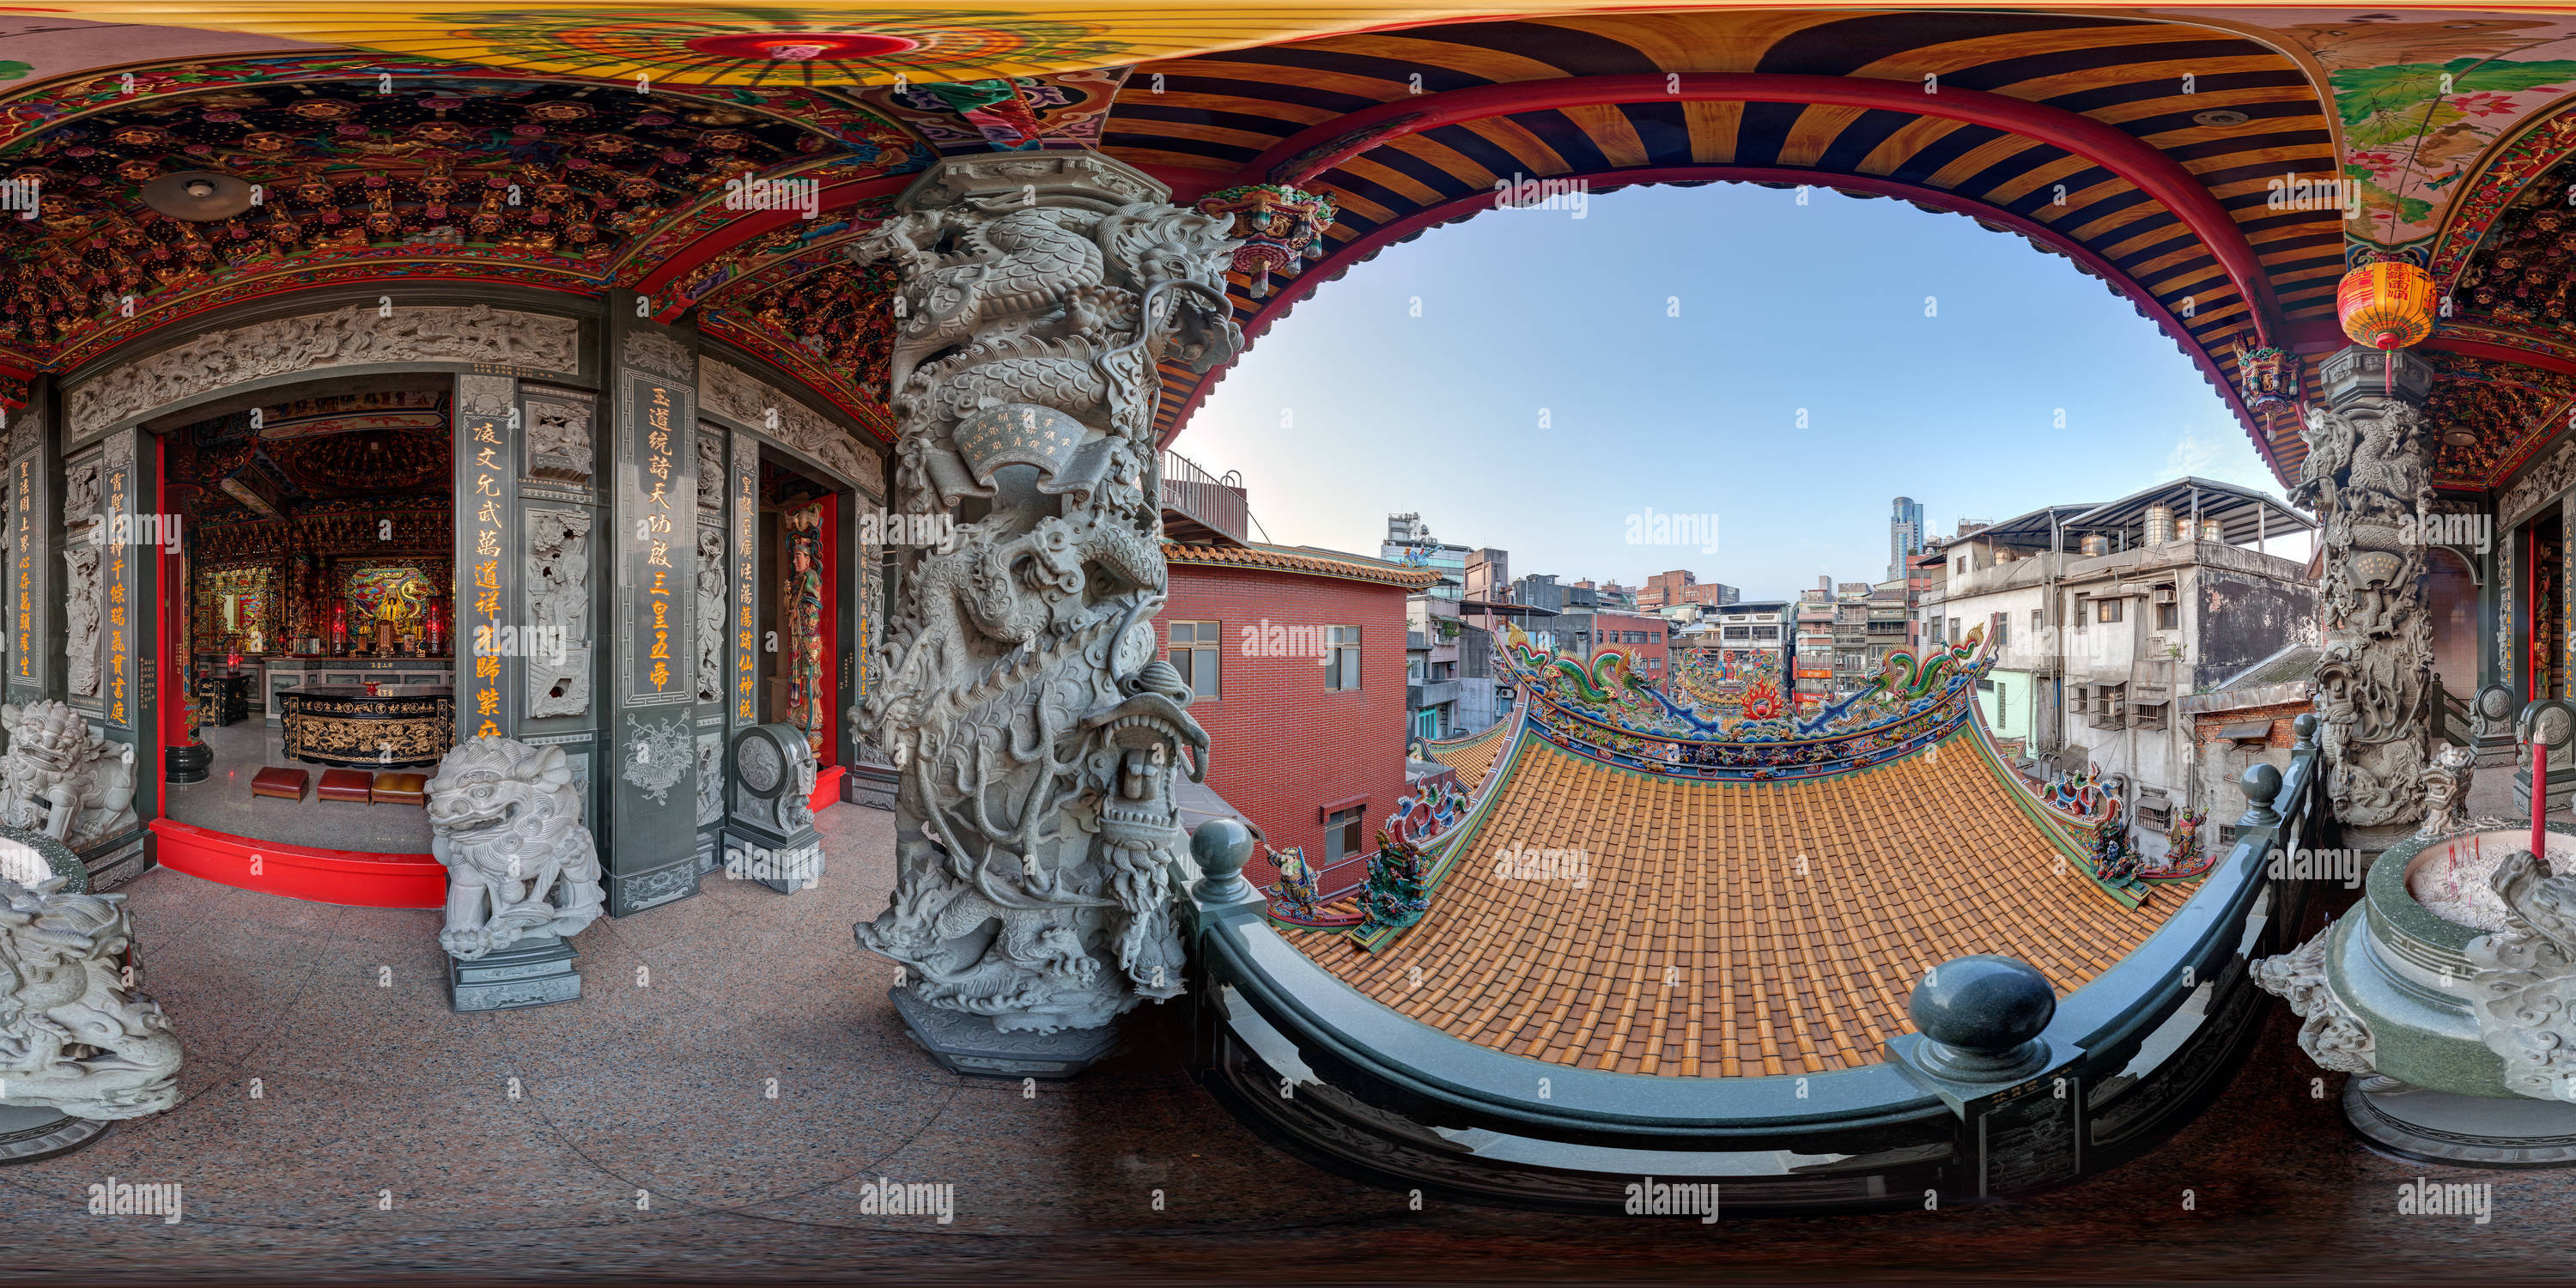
<point x="1605" y="711"/>
<point x="1326" y="563"/>
<point x="1644" y="922"/>
<point x="1742" y="680"/>
<point x="1414" y="831"/>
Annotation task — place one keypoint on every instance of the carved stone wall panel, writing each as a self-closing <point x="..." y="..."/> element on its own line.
<point x="559" y="445"/>
<point x="710" y="778"/>
<point x="557" y="572"/>
<point x="2524" y="496"/>
<point x="355" y="335"/>
<point x="711" y="611"/>
<point x="763" y="406"/>
<point x="84" y="597"/>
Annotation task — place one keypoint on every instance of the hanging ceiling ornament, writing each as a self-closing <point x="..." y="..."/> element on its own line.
<point x="1280" y="226"/>
<point x="2386" y="303"/>
<point x="2268" y="376"/>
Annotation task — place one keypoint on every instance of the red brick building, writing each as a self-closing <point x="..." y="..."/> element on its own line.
<point x="1642" y="636"/>
<point x="1297" y="658"/>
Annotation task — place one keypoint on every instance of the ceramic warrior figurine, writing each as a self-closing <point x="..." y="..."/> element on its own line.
<point x="506" y="820"/>
<point x="74" y="1035"/>
<point x="1038" y="846"/>
<point x="62" y="778"/>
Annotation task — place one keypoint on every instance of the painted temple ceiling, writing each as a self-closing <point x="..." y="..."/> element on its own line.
<point x="2147" y="145"/>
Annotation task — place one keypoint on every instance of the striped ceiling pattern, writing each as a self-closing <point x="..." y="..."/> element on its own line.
<point x="1202" y="122"/>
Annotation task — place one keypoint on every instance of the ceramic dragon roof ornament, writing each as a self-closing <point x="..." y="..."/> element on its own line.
<point x="1036" y="734"/>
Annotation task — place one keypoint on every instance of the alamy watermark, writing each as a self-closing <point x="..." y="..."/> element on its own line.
<point x="1522" y="193"/>
<point x="804" y="196"/>
<point x="120" y="1198"/>
<point x="2304" y="864"/>
<point x="23" y="196"/>
<point x="2298" y="192"/>
<point x="123" y="529"/>
<point x="1267" y="638"/>
<point x="1651" y="1197"/>
<point x="1652" y="528"/>
<point x="520" y="641"/>
<point x="1517" y="862"/>
<point x="887" y="528"/>
<point x="2424" y="1197"/>
<point x="882" y="1197"/>
<point x="802" y="865"/>
<point x="2470" y="531"/>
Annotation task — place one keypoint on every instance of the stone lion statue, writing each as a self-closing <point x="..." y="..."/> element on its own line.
<point x="506" y="820"/>
<point x="74" y="1035"/>
<point x="61" y="777"/>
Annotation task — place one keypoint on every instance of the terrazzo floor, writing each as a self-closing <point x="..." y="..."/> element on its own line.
<point x="223" y="802"/>
<point x="341" y="1124"/>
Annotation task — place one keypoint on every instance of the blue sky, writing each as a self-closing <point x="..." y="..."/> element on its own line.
<point x="1547" y="395"/>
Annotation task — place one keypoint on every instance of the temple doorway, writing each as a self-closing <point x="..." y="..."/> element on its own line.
<point x="314" y="608"/>
<point x="798" y="611"/>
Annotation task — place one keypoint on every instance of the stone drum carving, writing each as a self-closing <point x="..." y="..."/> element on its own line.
<point x="769" y="827"/>
<point x="74" y="1035"/>
<point x="62" y="778"/>
<point x="522" y="873"/>
<point x="1036" y="735"/>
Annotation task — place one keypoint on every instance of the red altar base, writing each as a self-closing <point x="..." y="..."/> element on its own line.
<point x="353" y="878"/>
<point x="827" y="788"/>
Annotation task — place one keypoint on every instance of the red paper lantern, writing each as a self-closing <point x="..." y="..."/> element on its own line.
<point x="2386" y="304"/>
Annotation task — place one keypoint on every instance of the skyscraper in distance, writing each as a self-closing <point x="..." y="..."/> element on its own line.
<point x="1904" y="535"/>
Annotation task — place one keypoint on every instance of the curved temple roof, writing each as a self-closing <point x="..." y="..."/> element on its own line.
<point x="1474" y="756"/>
<point x="1649" y="923"/>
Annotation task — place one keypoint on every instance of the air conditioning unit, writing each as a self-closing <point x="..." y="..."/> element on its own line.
<point x="2164" y="594"/>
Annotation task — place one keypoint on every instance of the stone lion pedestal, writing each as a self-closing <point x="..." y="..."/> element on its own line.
<point x="522" y="873"/>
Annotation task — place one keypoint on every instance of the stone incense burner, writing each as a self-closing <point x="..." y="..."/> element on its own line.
<point x="2441" y="993"/>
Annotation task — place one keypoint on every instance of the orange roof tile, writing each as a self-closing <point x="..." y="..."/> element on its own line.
<point x="1326" y="563"/>
<point x="1473" y="756"/>
<point x="1734" y="929"/>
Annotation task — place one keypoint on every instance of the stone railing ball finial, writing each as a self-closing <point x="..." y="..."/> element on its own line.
<point x="1982" y="1016"/>
<point x="2303" y="731"/>
<point x="2261" y="784"/>
<point x="1222" y="846"/>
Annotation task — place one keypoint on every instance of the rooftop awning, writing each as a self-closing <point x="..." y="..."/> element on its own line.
<point x="2244" y="512"/>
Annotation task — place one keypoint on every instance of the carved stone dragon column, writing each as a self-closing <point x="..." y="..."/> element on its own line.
<point x="2368" y="476"/>
<point x="1036" y="732"/>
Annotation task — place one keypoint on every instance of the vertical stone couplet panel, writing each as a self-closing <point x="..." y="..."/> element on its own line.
<point x="2368" y="476"/>
<point x="122" y="554"/>
<point x="742" y="509"/>
<point x="1036" y="734"/>
<point x="487" y="433"/>
<point x="652" y="541"/>
<point x="35" y="549"/>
